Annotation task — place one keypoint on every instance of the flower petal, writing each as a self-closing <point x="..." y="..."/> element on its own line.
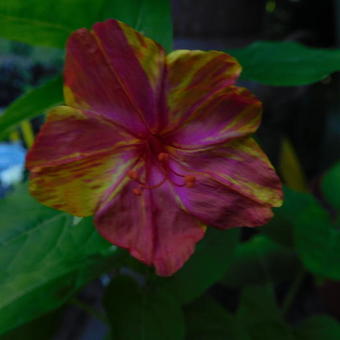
<point x="152" y="226"/>
<point x="116" y="72"/>
<point x="235" y="185"/>
<point x="70" y="166"/>
<point x="231" y="113"/>
<point x="70" y="134"/>
<point x="77" y="187"/>
<point x="195" y="76"/>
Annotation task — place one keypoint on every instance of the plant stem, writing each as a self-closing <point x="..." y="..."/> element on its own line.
<point x="89" y="310"/>
<point x="292" y="292"/>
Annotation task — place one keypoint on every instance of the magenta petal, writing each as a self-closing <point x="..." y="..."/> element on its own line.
<point x="75" y="160"/>
<point x="106" y="73"/>
<point x="228" y="114"/>
<point x="219" y="206"/>
<point x="70" y="135"/>
<point x="235" y="185"/>
<point x="193" y="77"/>
<point x="152" y="226"/>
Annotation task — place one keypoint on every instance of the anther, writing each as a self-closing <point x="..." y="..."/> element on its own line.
<point x="189" y="181"/>
<point x="163" y="156"/>
<point x="132" y="174"/>
<point x="137" y="191"/>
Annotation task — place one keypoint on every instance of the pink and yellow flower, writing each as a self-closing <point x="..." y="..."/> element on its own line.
<point x="155" y="146"/>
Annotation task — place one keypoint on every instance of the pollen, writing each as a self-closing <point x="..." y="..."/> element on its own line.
<point x="190" y="181"/>
<point x="163" y="156"/>
<point x="137" y="191"/>
<point x="132" y="174"/>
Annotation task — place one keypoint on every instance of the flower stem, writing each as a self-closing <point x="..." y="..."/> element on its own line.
<point x="293" y="291"/>
<point x="89" y="310"/>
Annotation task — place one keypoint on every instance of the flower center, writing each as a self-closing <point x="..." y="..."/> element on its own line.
<point x="155" y="145"/>
<point x="155" y="156"/>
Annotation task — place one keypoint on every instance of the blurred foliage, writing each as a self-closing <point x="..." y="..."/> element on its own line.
<point x="237" y="285"/>
<point x="44" y="327"/>
<point x="207" y="319"/>
<point x="49" y="23"/>
<point x="140" y="311"/>
<point x="35" y="279"/>
<point x="286" y="63"/>
<point x="31" y="104"/>
<point x="259" y="261"/>
<point x="331" y="187"/>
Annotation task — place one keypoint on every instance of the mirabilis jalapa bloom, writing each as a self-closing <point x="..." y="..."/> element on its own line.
<point x="156" y="147"/>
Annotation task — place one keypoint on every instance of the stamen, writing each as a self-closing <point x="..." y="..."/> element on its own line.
<point x="154" y="186"/>
<point x="137" y="191"/>
<point x="132" y="174"/>
<point x="142" y="185"/>
<point x="190" y="181"/>
<point x="163" y="156"/>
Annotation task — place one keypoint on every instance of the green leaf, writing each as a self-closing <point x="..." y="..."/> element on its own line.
<point x="136" y="312"/>
<point x="31" y="104"/>
<point x="286" y="63"/>
<point x="259" y="315"/>
<point x="50" y="22"/>
<point x="331" y="186"/>
<point x="315" y="237"/>
<point x="44" y="258"/>
<point x="280" y="228"/>
<point x="318" y="242"/>
<point x="318" y="327"/>
<point x="40" y="329"/>
<point x="262" y="320"/>
<point x="261" y="260"/>
<point x="206" y="319"/>
<point x="208" y="264"/>
<point x="150" y="17"/>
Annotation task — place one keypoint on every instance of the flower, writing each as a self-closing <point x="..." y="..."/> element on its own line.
<point x="155" y="146"/>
